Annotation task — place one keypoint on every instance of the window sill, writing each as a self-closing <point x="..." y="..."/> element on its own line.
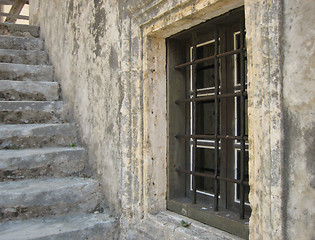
<point x="225" y="220"/>
<point x="167" y="225"/>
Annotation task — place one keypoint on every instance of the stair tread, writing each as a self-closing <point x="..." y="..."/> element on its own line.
<point x="28" y="90"/>
<point x="6" y="154"/>
<point x="20" y="51"/>
<point x="26" y="128"/>
<point x="24" y="104"/>
<point x="78" y="226"/>
<point x="40" y="185"/>
<point x="22" y="136"/>
<point x="31" y="112"/>
<point x="44" y="192"/>
<point x="25" y="66"/>
<point x="63" y="160"/>
<point x="24" y="72"/>
<point x="31" y="105"/>
<point x="19" y="29"/>
<point x="30" y="57"/>
<point x="21" y="43"/>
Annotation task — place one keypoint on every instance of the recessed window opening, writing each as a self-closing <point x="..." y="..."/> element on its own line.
<point x="208" y="123"/>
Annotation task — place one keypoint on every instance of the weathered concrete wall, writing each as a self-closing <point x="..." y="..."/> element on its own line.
<point x="299" y="121"/>
<point x="83" y="42"/>
<point x="110" y="57"/>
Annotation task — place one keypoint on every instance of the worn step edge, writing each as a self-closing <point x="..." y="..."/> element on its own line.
<point x="26" y="199"/>
<point x="36" y="91"/>
<point x="21" y="43"/>
<point x="29" y="57"/>
<point x="46" y="106"/>
<point x="42" y="162"/>
<point x="30" y="112"/>
<point x="21" y="136"/>
<point x="79" y="227"/>
<point x="19" y="29"/>
<point x="24" y="72"/>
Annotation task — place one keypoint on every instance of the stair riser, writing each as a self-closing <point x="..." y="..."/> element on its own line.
<point x="78" y="226"/>
<point x="29" y="117"/>
<point x="30" y="112"/>
<point x="37" y="137"/>
<point x="18" y="43"/>
<point x="55" y="164"/>
<point x="51" y="203"/>
<point x="19" y="72"/>
<point x="19" y="30"/>
<point x="36" y="142"/>
<point x="28" y="91"/>
<point x="24" y="57"/>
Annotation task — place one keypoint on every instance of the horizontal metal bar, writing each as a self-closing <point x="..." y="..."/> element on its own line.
<point x="213" y="137"/>
<point x="207" y="175"/>
<point x="212" y="97"/>
<point x="220" y="55"/>
<point x="14" y="16"/>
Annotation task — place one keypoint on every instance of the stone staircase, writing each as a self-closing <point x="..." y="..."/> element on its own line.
<point x="45" y="191"/>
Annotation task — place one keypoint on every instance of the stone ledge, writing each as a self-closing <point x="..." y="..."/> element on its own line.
<point x="167" y="225"/>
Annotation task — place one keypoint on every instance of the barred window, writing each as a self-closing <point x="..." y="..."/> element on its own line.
<point x="208" y="126"/>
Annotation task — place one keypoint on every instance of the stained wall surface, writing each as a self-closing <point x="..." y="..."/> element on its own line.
<point x="110" y="57"/>
<point x="299" y="118"/>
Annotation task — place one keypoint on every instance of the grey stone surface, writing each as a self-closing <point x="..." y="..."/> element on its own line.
<point x="30" y="112"/>
<point x="299" y="119"/>
<point x="112" y="71"/>
<point x="42" y="162"/>
<point x="167" y="225"/>
<point x="42" y="171"/>
<point x="43" y="197"/>
<point x="30" y="57"/>
<point x="21" y="43"/>
<point x="28" y="91"/>
<point x="76" y="227"/>
<point x="22" y="72"/>
<point x="20" y="136"/>
<point x="19" y="30"/>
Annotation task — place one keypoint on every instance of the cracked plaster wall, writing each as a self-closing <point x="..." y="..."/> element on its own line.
<point x="109" y="56"/>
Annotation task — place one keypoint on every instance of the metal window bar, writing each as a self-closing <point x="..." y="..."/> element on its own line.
<point x="217" y="119"/>
<point x="213" y="137"/>
<point x="242" y="108"/>
<point x="221" y="55"/>
<point x="213" y="176"/>
<point x="207" y="98"/>
<point x="194" y="117"/>
<point x="242" y="94"/>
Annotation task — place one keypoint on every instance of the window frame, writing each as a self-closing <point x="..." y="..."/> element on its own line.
<point x="177" y="200"/>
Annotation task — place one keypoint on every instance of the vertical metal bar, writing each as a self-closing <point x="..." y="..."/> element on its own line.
<point x="194" y="117"/>
<point x="217" y="119"/>
<point x="242" y="109"/>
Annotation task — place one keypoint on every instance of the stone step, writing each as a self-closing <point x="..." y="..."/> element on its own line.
<point x="21" y="136"/>
<point x="30" y="57"/>
<point x="28" y="91"/>
<point x="31" y="198"/>
<point x="22" y="72"/>
<point x="30" y="112"/>
<point x="21" y="43"/>
<point x="19" y="30"/>
<point x="42" y="162"/>
<point x="78" y="227"/>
